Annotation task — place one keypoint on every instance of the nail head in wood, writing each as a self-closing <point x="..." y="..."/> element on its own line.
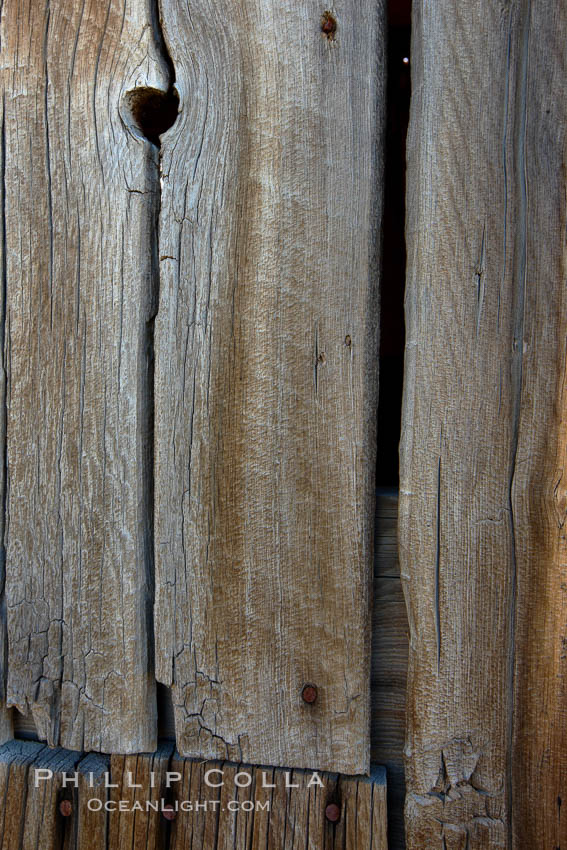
<point x="169" y="813"/>
<point x="309" y="694"/>
<point x="328" y="25"/>
<point x="66" y="808"/>
<point x="333" y="812"/>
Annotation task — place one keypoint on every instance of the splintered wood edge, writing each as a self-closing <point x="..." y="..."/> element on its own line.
<point x="90" y="801"/>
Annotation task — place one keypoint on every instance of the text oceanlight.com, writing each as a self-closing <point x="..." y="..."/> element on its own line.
<point x="213" y="778"/>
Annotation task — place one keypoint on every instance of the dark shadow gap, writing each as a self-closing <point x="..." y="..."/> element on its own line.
<point x="393" y="272"/>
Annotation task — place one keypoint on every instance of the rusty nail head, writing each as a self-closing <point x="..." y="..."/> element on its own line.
<point x="66" y="808"/>
<point x="169" y="812"/>
<point x="309" y="694"/>
<point x="333" y="812"/>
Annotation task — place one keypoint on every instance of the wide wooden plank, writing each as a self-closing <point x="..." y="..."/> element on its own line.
<point x="265" y="378"/>
<point x="482" y="492"/>
<point x="80" y="208"/>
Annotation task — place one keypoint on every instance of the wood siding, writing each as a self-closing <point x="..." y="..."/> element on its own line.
<point x="293" y="814"/>
<point x="265" y="379"/>
<point x="80" y="206"/>
<point x="244" y="255"/>
<point x="482" y="492"/>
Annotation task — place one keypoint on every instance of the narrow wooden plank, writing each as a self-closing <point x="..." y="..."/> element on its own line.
<point x="266" y="379"/>
<point x="140" y="780"/>
<point x="15" y="760"/>
<point x="80" y="205"/>
<point x="44" y="826"/>
<point x="538" y="761"/>
<point x="390" y="646"/>
<point x="364" y="816"/>
<point x="481" y="494"/>
<point x="6" y="716"/>
<point x="90" y="798"/>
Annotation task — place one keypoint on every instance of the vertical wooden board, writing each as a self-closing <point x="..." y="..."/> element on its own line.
<point x="6" y="720"/>
<point x="539" y="486"/>
<point x="455" y="526"/>
<point x="15" y="760"/>
<point x="265" y="378"/>
<point x="80" y="207"/>
<point x="140" y="780"/>
<point x="91" y="831"/>
<point x="44" y="827"/>
<point x="364" y="817"/>
<point x="279" y="810"/>
<point x="482" y="448"/>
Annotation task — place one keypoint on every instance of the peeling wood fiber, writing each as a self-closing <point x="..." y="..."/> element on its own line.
<point x="482" y="494"/>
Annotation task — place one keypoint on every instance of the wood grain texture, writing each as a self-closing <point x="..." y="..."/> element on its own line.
<point x="390" y="640"/>
<point x="80" y="208"/>
<point x="482" y="455"/>
<point x="265" y="379"/>
<point x="114" y="804"/>
<point x="288" y="816"/>
<point x="6" y="716"/>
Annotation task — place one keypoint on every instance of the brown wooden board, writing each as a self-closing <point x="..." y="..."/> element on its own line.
<point x="266" y="378"/>
<point x="80" y="204"/>
<point x="252" y="808"/>
<point x="482" y="489"/>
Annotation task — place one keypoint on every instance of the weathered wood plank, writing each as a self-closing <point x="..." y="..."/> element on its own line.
<point x="481" y="493"/>
<point x="91" y="832"/>
<point x="388" y="683"/>
<point x="30" y="818"/>
<point x="287" y="811"/>
<point x="15" y="759"/>
<point x="265" y="379"/>
<point x="80" y="207"/>
<point x="215" y="805"/>
<point x="43" y="825"/>
<point x="6" y="716"/>
<point x="139" y="778"/>
<point x="538" y="761"/>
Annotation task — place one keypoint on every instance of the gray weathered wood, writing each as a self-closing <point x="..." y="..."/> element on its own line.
<point x="266" y="379"/>
<point x="80" y="209"/>
<point x="482" y="493"/>
<point x="6" y="718"/>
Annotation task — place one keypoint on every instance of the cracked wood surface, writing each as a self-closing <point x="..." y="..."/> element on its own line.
<point x="80" y="209"/>
<point x="265" y="379"/>
<point x="288" y="816"/>
<point x="482" y="492"/>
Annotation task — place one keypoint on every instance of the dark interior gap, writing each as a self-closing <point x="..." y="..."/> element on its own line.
<point x="393" y="271"/>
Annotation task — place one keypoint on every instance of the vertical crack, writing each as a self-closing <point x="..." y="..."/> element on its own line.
<point x="519" y="290"/>
<point x="150" y="112"/>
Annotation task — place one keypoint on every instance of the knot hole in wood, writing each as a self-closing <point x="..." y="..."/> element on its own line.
<point x="151" y="111"/>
